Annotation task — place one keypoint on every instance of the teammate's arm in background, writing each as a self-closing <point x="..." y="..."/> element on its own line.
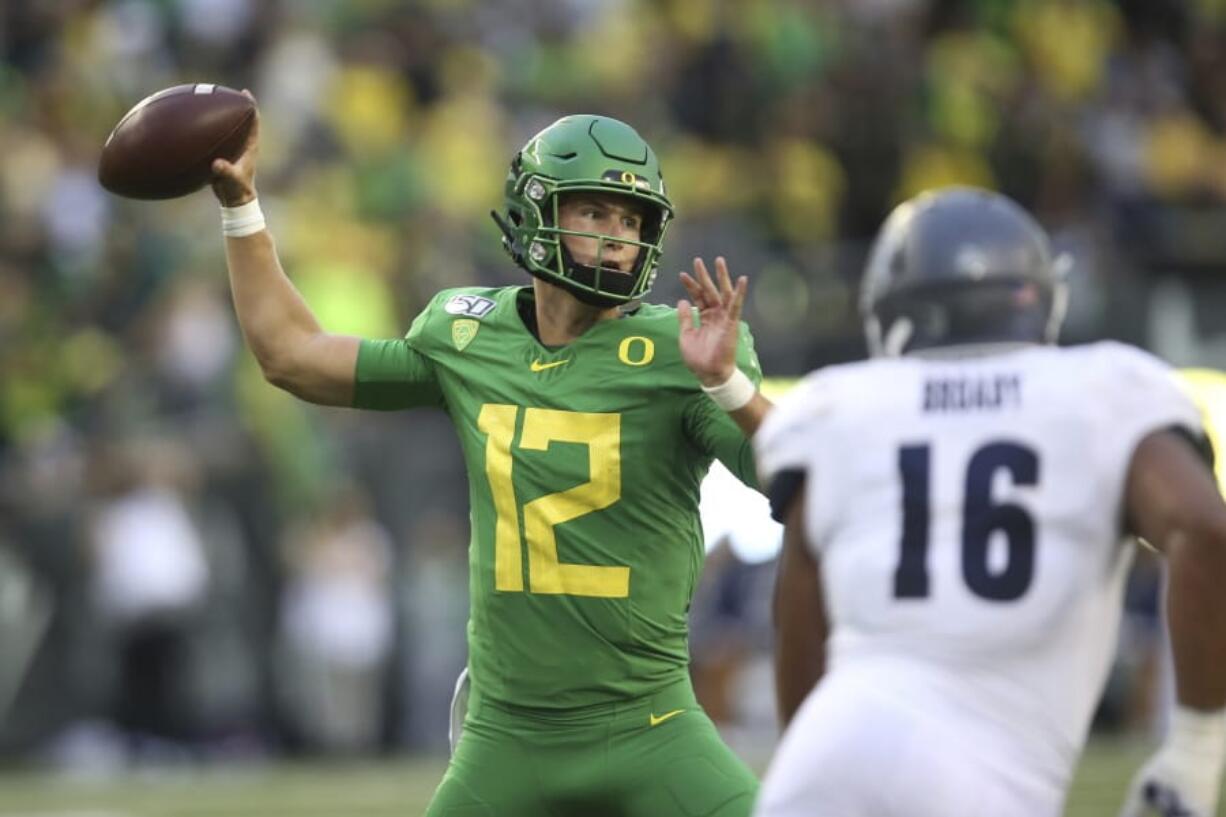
<point x="800" y="615"/>
<point x="709" y="349"/>
<point x="1174" y="504"/>
<point x="293" y="350"/>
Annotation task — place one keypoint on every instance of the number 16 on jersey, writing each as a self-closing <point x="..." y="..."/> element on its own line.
<point x="981" y="517"/>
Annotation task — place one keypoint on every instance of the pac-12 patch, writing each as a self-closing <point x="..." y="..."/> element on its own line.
<point x="463" y="331"/>
<point x="472" y="305"/>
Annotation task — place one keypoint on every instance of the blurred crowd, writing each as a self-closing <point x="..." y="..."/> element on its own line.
<point x="190" y="559"/>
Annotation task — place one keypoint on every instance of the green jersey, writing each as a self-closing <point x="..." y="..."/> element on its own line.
<point x="584" y="464"/>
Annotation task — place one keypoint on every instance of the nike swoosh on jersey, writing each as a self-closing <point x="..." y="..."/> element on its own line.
<point x="656" y="720"/>
<point x="537" y="366"/>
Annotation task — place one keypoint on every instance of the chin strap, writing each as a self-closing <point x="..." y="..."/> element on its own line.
<point x="591" y="298"/>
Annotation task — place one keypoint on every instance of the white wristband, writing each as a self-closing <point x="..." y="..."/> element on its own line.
<point x="1199" y="736"/>
<point x="243" y="220"/>
<point x="734" y="393"/>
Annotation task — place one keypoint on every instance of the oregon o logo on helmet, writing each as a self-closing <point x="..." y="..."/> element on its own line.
<point x="629" y="178"/>
<point x="647" y="352"/>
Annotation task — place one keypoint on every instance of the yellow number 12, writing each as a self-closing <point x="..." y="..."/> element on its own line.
<point x="601" y="433"/>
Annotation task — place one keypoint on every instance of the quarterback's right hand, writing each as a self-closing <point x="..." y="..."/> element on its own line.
<point x="1183" y="779"/>
<point x="234" y="182"/>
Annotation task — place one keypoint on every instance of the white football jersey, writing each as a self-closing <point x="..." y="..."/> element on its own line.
<point x="968" y="518"/>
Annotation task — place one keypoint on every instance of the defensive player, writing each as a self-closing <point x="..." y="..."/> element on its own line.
<point x="956" y="512"/>
<point x="586" y="437"/>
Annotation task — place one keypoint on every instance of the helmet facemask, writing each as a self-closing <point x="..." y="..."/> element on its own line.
<point x="601" y="282"/>
<point x="601" y="157"/>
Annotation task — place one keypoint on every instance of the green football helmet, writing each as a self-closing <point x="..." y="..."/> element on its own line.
<point x="593" y="154"/>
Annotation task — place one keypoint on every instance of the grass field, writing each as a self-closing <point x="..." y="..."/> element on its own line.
<point x="400" y="788"/>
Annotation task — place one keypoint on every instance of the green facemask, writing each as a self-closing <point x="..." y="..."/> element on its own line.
<point x="584" y="153"/>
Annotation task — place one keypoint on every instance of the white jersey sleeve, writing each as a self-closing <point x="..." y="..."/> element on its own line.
<point x="1141" y="395"/>
<point x="784" y="444"/>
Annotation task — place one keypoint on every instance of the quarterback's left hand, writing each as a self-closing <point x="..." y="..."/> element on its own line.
<point x="709" y="349"/>
<point x="1184" y="778"/>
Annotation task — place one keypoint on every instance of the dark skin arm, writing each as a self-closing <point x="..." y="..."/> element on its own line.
<point x="1174" y="504"/>
<point x="800" y="616"/>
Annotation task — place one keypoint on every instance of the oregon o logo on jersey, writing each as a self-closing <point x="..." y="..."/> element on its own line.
<point x="636" y="350"/>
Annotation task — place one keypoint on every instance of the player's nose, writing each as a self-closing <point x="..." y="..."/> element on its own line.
<point x="613" y="238"/>
<point x="619" y="232"/>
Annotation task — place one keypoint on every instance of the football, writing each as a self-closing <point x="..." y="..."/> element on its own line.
<point x="164" y="147"/>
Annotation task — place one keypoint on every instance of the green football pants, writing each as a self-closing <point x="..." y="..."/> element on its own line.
<point x="655" y="756"/>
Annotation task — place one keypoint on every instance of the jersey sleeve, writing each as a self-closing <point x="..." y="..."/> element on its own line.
<point x="1208" y="391"/>
<point x="398" y="373"/>
<point x="785" y="443"/>
<point x="1147" y="397"/>
<point x="714" y="432"/>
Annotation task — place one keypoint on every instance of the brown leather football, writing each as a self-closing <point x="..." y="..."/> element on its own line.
<point x="165" y="146"/>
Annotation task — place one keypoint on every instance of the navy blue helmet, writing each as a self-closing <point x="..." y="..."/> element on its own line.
<point x="961" y="266"/>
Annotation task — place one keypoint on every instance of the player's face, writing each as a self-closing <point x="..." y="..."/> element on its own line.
<point x="617" y="218"/>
